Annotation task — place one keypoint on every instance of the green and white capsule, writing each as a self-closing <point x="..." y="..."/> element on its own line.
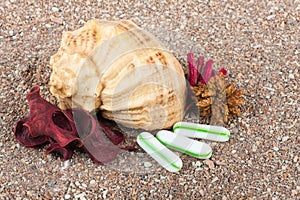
<point x="203" y="131"/>
<point x="185" y="145"/>
<point x="166" y="158"/>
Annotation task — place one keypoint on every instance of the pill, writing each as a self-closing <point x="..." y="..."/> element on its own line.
<point x="184" y="144"/>
<point x="166" y="158"/>
<point x="203" y="131"/>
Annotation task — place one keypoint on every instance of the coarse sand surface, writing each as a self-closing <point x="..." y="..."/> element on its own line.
<point x="258" y="42"/>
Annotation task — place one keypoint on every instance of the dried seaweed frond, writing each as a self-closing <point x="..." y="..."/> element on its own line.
<point x="217" y="101"/>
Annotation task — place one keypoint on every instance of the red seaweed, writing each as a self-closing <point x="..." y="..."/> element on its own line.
<point x="201" y="72"/>
<point x="66" y="130"/>
<point x="45" y="120"/>
<point x="223" y="71"/>
<point x="24" y="137"/>
<point x="99" y="148"/>
<point x="114" y="135"/>
<point x="193" y="78"/>
<point x="207" y="72"/>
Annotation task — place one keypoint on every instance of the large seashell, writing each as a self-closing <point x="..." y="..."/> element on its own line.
<point x="122" y="70"/>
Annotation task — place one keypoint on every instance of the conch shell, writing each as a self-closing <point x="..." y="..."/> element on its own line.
<point x="122" y="70"/>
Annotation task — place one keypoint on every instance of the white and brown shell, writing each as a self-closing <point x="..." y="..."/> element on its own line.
<point x="122" y="70"/>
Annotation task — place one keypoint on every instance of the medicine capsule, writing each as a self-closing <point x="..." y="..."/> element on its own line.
<point x="166" y="158"/>
<point x="184" y="144"/>
<point x="203" y="131"/>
